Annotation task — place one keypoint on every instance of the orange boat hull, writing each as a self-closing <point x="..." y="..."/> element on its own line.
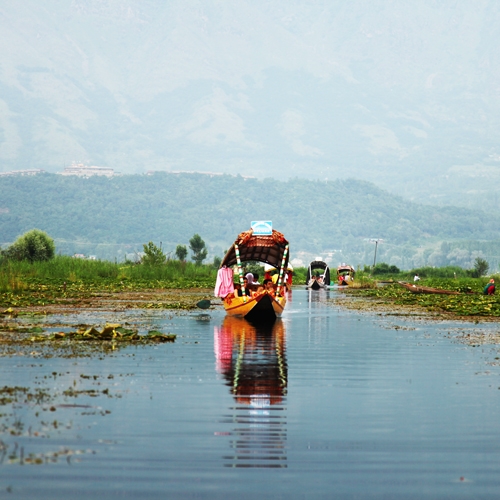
<point x="260" y="306"/>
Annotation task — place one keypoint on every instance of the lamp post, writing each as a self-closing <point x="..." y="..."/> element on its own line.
<point x="375" y="240"/>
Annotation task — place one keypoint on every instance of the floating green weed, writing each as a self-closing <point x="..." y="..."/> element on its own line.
<point x="469" y="303"/>
<point x="111" y="332"/>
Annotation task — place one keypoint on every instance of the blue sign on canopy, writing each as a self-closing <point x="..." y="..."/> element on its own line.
<point x="262" y="227"/>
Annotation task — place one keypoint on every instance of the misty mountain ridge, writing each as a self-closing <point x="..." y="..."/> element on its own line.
<point x="333" y="221"/>
<point x="397" y="93"/>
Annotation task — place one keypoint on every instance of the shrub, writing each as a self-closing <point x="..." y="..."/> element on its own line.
<point x="181" y="252"/>
<point x="384" y="268"/>
<point x="35" y="246"/>
<point x="439" y="272"/>
<point x="153" y="255"/>
<point x="481" y="267"/>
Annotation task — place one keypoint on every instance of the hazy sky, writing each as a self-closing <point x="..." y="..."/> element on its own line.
<point x="392" y="91"/>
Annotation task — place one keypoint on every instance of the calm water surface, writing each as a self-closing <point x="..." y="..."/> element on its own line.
<point x="324" y="404"/>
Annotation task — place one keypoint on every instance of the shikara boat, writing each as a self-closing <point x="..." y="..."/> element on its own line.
<point x="426" y="289"/>
<point x="318" y="275"/>
<point x="260" y="305"/>
<point x="345" y="274"/>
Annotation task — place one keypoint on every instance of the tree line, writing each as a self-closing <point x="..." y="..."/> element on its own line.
<point x="114" y="217"/>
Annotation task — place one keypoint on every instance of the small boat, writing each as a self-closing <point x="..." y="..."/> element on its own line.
<point x="318" y="275"/>
<point x="268" y="247"/>
<point x="261" y="307"/>
<point x="345" y="274"/>
<point x="426" y="289"/>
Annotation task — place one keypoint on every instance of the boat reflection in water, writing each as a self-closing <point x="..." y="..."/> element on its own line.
<point x="252" y="360"/>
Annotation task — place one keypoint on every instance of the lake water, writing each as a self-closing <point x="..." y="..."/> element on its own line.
<point x="325" y="404"/>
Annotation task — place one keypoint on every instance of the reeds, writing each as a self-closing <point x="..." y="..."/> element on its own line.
<point x="17" y="276"/>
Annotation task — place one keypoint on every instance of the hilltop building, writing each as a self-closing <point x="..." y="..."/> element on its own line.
<point x="30" y="171"/>
<point x="210" y="174"/>
<point x="82" y="170"/>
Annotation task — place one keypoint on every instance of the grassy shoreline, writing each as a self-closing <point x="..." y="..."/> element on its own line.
<point x="64" y="283"/>
<point x="392" y="298"/>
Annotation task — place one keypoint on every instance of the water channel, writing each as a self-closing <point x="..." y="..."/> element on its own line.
<point x="325" y="403"/>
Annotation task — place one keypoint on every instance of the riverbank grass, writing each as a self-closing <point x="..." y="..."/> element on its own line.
<point x="470" y="302"/>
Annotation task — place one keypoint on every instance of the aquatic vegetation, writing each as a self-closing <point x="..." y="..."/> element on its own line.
<point x="470" y="303"/>
<point x="111" y="332"/>
<point x="136" y="294"/>
<point x="67" y="281"/>
<point x="18" y="435"/>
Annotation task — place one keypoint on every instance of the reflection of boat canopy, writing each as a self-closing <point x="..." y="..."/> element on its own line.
<point x="325" y="274"/>
<point x="252" y="359"/>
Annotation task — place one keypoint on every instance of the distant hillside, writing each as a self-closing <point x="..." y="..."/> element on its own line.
<point x="400" y="93"/>
<point x="335" y="220"/>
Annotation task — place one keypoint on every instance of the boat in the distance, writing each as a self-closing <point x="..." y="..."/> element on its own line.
<point x="345" y="274"/>
<point x="263" y="244"/>
<point x="427" y="289"/>
<point x="318" y="275"/>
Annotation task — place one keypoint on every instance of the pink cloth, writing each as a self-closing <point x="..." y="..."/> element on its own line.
<point x="224" y="284"/>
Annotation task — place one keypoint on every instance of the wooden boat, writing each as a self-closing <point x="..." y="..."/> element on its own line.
<point x="345" y="274"/>
<point x="426" y="289"/>
<point x="253" y="246"/>
<point x="261" y="307"/>
<point x="318" y="275"/>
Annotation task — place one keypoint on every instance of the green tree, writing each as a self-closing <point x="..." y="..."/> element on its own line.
<point x="480" y="267"/>
<point x="197" y="246"/>
<point x="153" y="255"/>
<point x="383" y="268"/>
<point x="181" y="252"/>
<point x="35" y="245"/>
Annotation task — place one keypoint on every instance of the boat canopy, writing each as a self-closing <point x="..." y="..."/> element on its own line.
<point x="319" y="264"/>
<point x="345" y="269"/>
<point x="269" y="249"/>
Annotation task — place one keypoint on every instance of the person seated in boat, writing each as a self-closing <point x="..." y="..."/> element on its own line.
<point x="248" y="293"/>
<point x="287" y="281"/>
<point x="275" y="280"/>
<point x="269" y="287"/>
<point x="250" y="277"/>
<point x="256" y="279"/>
<point x="489" y="289"/>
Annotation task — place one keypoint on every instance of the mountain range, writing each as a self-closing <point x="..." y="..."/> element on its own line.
<point x="336" y="221"/>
